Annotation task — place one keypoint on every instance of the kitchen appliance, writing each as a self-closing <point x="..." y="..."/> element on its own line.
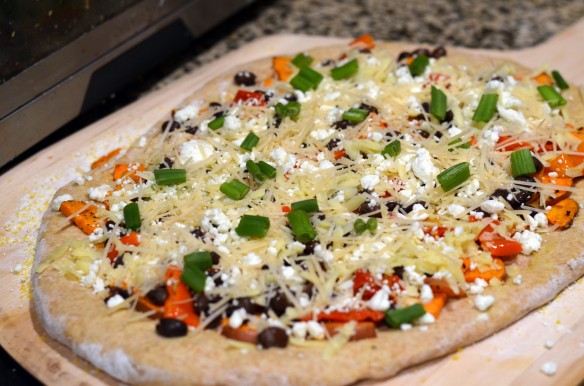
<point x="58" y="58"/>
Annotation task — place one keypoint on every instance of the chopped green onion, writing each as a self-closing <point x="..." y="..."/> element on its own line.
<point x="267" y="169"/>
<point x="486" y="108"/>
<point x="302" y="60"/>
<point x="301" y="83"/>
<point x="194" y="278"/>
<point x="236" y="190"/>
<point x="292" y="109"/>
<point x="355" y="115"/>
<point x="392" y="149"/>
<point x="253" y="226"/>
<point x="250" y="141"/>
<point x="359" y="226"/>
<point x="372" y="225"/>
<point x="301" y="226"/>
<point x="551" y="96"/>
<point x="217" y="123"/>
<point x="310" y="205"/>
<point x="201" y="260"/>
<point x="418" y="65"/>
<point x="522" y="163"/>
<point x="454" y="176"/>
<point x="560" y="81"/>
<point x="438" y="103"/>
<point x="396" y="318"/>
<point x="170" y="176"/>
<point x="132" y="216"/>
<point x="313" y="76"/>
<point x="346" y="70"/>
<point x="255" y="171"/>
<point x="465" y="145"/>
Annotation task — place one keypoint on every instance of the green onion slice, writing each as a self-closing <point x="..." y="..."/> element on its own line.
<point x="346" y="70"/>
<point x="301" y="83"/>
<point x="253" y="226"/>
<point x="418" y="65"/>
<point x="313" y="76"/>
<point x="360" y="226"/>
<point x="392" y="149"/>
<point x="310" y="205"/>
<point x="217" y="123"/>
<point x="250" y="141"/>
<point x="132" y="216"/>
<point x="560" y="81"/>
<point x="170" y="176"/>
<point x="486" y="108"/>
<point x="201" y="260"/>
<point x="255" y="171"/>
<point x="551" y="96"/>
<point x="301" y="226"/>
<point x="302" y="60"/>
<point x="236" y="190"/>
<point x="396" y="318"/>
<point x="194" y="278"/>
<point x="522" y="163"/>
<point x="465" y="145"/>
<point x="372" y="225"/>
<point x="355" y="115"/>
<point x="438" y="103"/>
<point x="267" y="169"/>
<point x="454" y="176"/>
<point x="292" y="109"/>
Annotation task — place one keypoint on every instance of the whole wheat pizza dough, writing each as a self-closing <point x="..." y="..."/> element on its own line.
<point x="71" y="277"/>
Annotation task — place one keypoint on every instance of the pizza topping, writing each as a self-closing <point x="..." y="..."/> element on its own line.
<point x="245" y="78"/>
<point x="171" y="328"/>
<point x="273" y="337"/>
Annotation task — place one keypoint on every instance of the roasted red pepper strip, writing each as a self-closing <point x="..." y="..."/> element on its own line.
<point x="129" y="239"/>
<point x="251" y="98"/>
<point x="178" y="304"/>
<point x="356" y="315"/>
<point x="372" y="285"/>
<point x="504" y="247"/>
<point x="513" y="145"/>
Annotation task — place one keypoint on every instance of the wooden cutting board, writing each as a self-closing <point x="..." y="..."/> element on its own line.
<point x="512" y="356"/>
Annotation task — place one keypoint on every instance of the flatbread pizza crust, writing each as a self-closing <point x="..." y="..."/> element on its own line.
<point x="132" y="352"/>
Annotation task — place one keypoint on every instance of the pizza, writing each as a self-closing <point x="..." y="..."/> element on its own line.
<point x="323" y="218"/>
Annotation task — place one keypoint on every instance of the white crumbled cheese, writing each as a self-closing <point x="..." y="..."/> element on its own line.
<point x="423" y="167"/>
<point x="195" y="151"/>
<point x="483" y="317"/>
<point x="493" y="85"/>
<point x="186" y="113"/>
<point x="99" y="193"/>
<point x="403" y="75"/>
<point x="96" y="235"/>
<point x="412" y="277"/>
<point x="549" y="344"/>
<point x="323" y="253"/>
<point x="237" y="318"/>
<point x="115" y="301"/>
<point x="332" y="96"/>
<point x="490" y="137"/>
<point x="477" y="215"/>
<point x="458" y="231"/>
<point x="322" y="134"/>
<point x="326" y="164"/>
<point x="334" y="115"/>
<point x="251" y="259"/>
<point x="289" y="272"/>
<point x="209" y="284"/>
<point x="56" y="204"/>
<point x="302" y="97"/>
<point x="232" y="123"/>
<point x="484" y="302"/>
<point x="549" y="368"/>
<point x="375" y="136"/>
<point x="454" y="131"/>
<point x="478" y="286"/>
<point x="370" y="181"/>
<point x="427" y="318"/>
<point x="405" y="326"/>
<point x="380" y="301"/>
<point x="552" y="174"/>
<point x="541" y="219"/>
<point x="426" y="294"/>
<point x="512" y="116"/>
<point x="456" y="210"/>
<point x="517" y="280"/>
<point x="299" y="330"/>
<point x="530" y="241"/>
<point x="492" y="206"/>
<point x="142" y="141"/>
<point x="315" y="329"/>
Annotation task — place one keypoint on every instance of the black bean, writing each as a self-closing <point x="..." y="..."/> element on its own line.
<point x="426" y="107"/>
<point x="215" y="105"/>
<point x="267" y="95"/>
<point x="333" y="143"/>
<point x="399" y="271"/>
<point x="309" y="247"/>
<point x="327" y="62"/>
<point x="403" y="55"/>
<point x="308" y="289"/>
<point x="422" y="51"/>
<point x="365" y="51"/>
<point x="291" y="97"/>
<point x="215" y="258"/>
<point x="249" y="306"/>
<point x="214" y="323"/>
<point x="277" y="122"/>
<point x="393" y="134"/>
<point x="371" y="109"/>
<point x="391" y="205"/>
<point x="497" y="78"/>
<point x="278" y="302"/>
<point x="423" y="133"/>
<point x="198" y="233"/>
<point x="410" y="207"/>
<point x="113" y="290"/>
<point x="501" y="193"/>
<point x="166" y="164"/>
<point x="438" y="52"/>
<point x="219" y="114"/>
<point x="109" y="225"/>
<point x="341" y="125"/>
<point x="538" y="164"/>
<point x="448" y="117"/>
<point x="171" y="328"/>
<point x="192" y="130"/>
<point x="321" y="216"/>
<point x="365" y="209"/>
<point x="273" y="337"/>
<point x="245" y="78"/>
<point x="173" y="126"/>
<point x="158" y="295"/>
<point x="201" y="303"/>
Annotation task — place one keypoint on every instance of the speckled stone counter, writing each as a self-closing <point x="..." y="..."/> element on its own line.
<point x="500" y="24"/>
